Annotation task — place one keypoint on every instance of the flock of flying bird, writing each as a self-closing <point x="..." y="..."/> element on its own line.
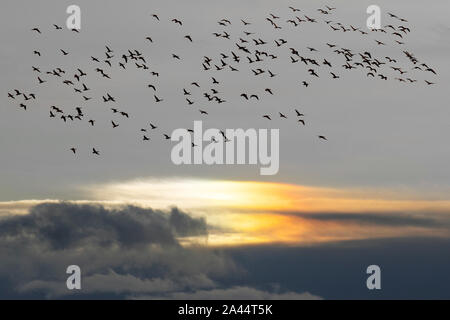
<point x="248" y="52"/>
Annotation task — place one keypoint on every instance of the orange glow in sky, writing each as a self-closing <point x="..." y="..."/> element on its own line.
<point x="246" y="212"/>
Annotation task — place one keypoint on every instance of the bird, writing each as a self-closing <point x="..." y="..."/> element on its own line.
<point x="299" y="114"/>
<point x="115" y="125"/>
<point x="94" y="151"/>
<point x="177" y="21"/>
<point x="323" y="138"/>
<point x="74" y="150"/>
<point x="334" y="76"/>
<point x="267" y="117"/>
<point x="325" y="62"/>
<point x="313" y="72"/>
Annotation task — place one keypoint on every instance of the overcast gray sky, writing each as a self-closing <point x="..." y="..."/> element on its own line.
<point x="381" y="134"/>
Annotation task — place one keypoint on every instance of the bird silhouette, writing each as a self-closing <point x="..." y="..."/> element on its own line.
<point x="177" y="21"/>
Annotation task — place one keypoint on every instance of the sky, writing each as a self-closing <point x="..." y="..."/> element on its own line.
<point x="376" y="192"/>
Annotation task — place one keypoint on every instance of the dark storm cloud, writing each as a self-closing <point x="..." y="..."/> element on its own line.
<point x="130" y="252"/>
<point x="66" y="226"/>
<point x="184" y="225"/>
<point x="119" y="260"/>
<point x="113" y="247"/>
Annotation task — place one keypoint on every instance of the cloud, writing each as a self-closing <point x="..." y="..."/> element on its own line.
<point x="394" y="219"/>
<point x="122" y="252"/>
<point x="65" y="226"/>
<point x="127" y="249"/>
<point x="236" y="293"/>
<point x="115" y="283"/>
